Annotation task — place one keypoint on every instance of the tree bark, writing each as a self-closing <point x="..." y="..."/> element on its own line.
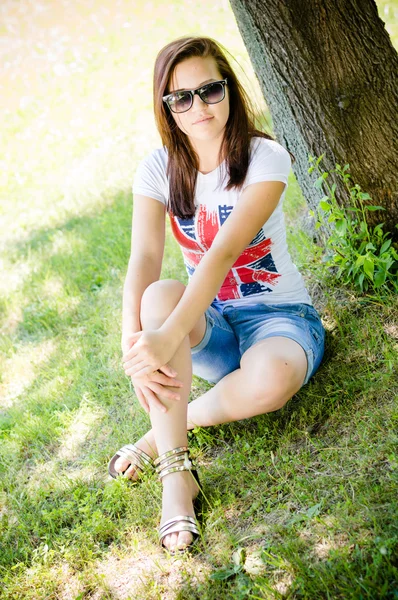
<point x="329" y="74"/>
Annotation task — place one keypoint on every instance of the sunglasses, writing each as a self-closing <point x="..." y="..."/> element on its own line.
<point x="211" y="93"/>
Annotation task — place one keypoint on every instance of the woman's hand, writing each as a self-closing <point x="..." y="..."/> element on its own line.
<point x="151" y="350"/>
<point x="150" y="388"/>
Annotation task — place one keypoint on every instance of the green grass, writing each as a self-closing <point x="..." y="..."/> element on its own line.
<point x="302" y="503"/>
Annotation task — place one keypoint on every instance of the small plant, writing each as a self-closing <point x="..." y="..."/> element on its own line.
<point x="364" y="256"/>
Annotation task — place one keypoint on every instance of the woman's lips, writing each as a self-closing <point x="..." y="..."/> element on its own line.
<point x="203" y="120"/>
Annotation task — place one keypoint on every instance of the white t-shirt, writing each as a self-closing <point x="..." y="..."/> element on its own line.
<point x="264" y="272"/>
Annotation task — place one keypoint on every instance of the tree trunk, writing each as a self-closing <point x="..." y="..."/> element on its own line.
<point x="329" y="74"/>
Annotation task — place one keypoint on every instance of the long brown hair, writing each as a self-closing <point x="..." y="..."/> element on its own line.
<point x="240" y="128"/>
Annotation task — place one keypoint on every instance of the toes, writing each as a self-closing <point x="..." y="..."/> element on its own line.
<point x="170" y="541"/>
<point x="121" y="467"/>
<point x="131" y="472"/>
<point x="178" y="541"/>
<point x="184" y="539"/>
<point x="121" y="464"/>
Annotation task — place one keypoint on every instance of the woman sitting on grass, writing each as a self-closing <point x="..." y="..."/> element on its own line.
<point x="244" y="321"/>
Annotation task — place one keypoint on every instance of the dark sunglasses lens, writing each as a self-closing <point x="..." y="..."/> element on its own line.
<point x="212" y="93"/>
<point x="180" y="102"/>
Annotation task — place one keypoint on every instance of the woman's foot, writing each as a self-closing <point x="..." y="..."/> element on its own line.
<point x="147" y="445"/>
<point x="179" y="491"/>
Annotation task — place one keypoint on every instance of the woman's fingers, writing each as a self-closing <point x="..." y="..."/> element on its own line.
<point x="141" y="398"/>
<point x="134" y="370"/>
<point x="169" y="371"/>
<point x="154" y="401"/>
<point x="143" y="372"/>
<point x="132" y="363"/>
<point x="152" y="385"/>
<point x="165" y="380"/>
<point x="147" y="399"/>
<point x="162" y="391"/>
<point x="132" y="339"/>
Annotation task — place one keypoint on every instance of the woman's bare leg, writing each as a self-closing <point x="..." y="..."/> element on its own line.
<point x="271" y="372"/>
<point x="170" y="428"/>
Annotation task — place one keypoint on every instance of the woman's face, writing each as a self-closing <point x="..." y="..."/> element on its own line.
<point x="202" y="122"/>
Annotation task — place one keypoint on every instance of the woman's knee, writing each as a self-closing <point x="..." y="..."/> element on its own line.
<point x="273" y="383"/>
<point x="159" y="300"/>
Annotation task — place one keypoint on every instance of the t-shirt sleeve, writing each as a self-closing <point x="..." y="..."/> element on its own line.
<point x="150" y="179"/>
<point x="270" y="162"/>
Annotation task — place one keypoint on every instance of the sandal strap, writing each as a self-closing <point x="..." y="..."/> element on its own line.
<point x="178" y="524"/>
<point x="170" y="453"/>
<point x="173" y="461"/>
<point x="137" y="456"/>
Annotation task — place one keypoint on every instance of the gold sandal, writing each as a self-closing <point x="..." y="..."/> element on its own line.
<point x="172" y="462"/>
<point x="140" y="459"/>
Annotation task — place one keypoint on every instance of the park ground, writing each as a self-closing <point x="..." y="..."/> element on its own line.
<point x="301" y="503"/>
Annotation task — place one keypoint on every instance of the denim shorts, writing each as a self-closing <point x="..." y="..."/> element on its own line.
<point x="230" y="331"/>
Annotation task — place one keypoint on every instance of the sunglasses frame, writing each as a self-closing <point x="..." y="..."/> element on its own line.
<point x="192" y="95"/>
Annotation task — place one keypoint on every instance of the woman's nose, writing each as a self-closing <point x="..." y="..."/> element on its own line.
<point x="199" y="101"/>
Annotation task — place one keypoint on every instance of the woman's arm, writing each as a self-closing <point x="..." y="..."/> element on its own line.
<point x="141" y="272"/>
<point x="147" y="248"/>
<point x="255" y="206"/>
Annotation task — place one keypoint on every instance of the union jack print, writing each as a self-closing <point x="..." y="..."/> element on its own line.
<point x="253" y="272"/>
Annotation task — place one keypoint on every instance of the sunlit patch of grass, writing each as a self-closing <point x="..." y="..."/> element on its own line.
<point x="21" y="369"/>
<point x="147" y="569"/>
<point x="76" y="432"/>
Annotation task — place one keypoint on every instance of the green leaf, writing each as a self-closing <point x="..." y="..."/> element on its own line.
<point x="313" y="510"/>
<point x="341" y="227"/>
<point x="380" y="278"/>
<point x="369" y="267"/>
<point x="325" y="206"/>
<point x="360" y="260"/>
<point x="318" y="183"/>
<point x="373" y="208"/>
<point x="379" y="229"/>
<point x="385" y="246"/>
<point x="225" y="573"/>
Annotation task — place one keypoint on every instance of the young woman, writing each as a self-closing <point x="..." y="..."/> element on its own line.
<point x="245" y="321"/>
